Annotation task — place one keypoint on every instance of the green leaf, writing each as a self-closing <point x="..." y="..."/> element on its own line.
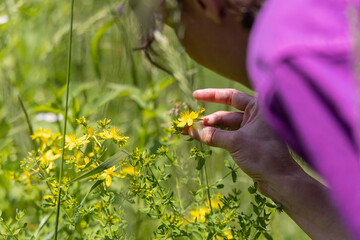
<point x="252" y="190"/>
<point x="200" y="164"/>
<point x="42" y="224"/>
<point x="103" y="166"/>
<point x="96" y="184"/>
<point x="149" y="114"/>
<point x="255" y="209"/>
<point x="257" y="235"/>
<point x="220" y="186"/>
<point x="48" y="109"/>
<point x="270" y="205"/>
<point x="233" y="176"/>
<point x="94" y="47"/>
<point x="267" y="236"/>
<point x="163" y="84"/>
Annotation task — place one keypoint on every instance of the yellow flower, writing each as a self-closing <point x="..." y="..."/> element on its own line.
<point x="47" y="158"/>
<point x="113" y="133"/>
<point x="187" y="118"/>
<point x="27" y="176"/>
<point x="50" y="199"/>
<point x="73" y="142"/>
<point x="127" y="170"/>
<point x="91" y="133"/>
<point x="228" y="235"/>
<point x="70" y="141"/>
<point x="108" y="173"/>
<point x="82" y="162"/>
<point x="42" y="134"/>
<point x="199" y="214"/>
<point x="216" y="202"/>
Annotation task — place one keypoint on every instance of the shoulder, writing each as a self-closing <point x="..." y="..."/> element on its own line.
<point x="288" y="29"/>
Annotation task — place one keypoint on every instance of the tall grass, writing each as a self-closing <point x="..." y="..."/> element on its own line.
<point x="65" y="119"/>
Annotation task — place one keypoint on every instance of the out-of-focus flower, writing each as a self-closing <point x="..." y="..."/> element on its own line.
<point x="82" y="162"/>
<point x="215" y="203"/>
<point x="128" y="170"/>
<point x="73" y="142"/>
<point x="49" y="117"/>
<point x="4" y="19"/>
<point x="46" y="160"/>
<point x="27" y="177"/>
<point x="228" y="235"/>
<point x="113" y="133"/>
<point x="42" y="134"/>
<point x="108" y="173"/>
<point x="199" y="214"/>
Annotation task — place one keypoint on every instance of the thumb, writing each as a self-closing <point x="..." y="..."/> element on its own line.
<point x="213" y="136"/>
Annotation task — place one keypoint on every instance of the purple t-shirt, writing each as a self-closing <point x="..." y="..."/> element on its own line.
<point x="302" y="62"/>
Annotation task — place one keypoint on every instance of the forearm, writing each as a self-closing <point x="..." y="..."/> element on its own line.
<point x="307" y="202"/>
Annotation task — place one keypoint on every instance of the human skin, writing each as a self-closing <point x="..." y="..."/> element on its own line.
<point x="215" y="39"/>
<point x="266" y="159"/>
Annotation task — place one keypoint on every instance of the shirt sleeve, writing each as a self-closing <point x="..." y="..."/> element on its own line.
<point x="313" y="105"/>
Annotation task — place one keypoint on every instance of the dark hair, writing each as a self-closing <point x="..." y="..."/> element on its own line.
<point x="244" y="10"/>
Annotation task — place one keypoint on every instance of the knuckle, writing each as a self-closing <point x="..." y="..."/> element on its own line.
<point x="208" y="135"/>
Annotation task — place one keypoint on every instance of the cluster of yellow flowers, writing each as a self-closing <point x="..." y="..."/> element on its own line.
<point x="82" y="154"/>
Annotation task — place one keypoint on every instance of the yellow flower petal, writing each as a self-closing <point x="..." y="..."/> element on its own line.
<point x="108" y="180"/>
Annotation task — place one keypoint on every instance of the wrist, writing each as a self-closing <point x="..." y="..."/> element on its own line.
<point x="278" y="186"/>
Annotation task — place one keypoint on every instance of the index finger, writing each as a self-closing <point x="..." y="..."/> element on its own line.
<point x="226" y="96"/>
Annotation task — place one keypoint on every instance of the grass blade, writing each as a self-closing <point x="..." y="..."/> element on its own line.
<point x="28" y="122"/>
<point x="103" y="166"/>
<point x="83" y="200"/>
<point x="42" y="224"/>
<point x="65" y="119"/>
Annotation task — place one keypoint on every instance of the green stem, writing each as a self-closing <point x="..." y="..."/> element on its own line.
<point x="8" y="228"/>
<point x="28" y="123"/>
<point x="207" y="188"/>
<point x="178" y="192"/>
<point x="225" y="176"/>
<point x="65" y="119"/>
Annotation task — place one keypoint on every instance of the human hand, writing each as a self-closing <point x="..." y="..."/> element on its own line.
<point x="251" y="142"/>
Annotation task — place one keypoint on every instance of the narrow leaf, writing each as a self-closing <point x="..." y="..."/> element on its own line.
<point x="42" y="224"/>
<point x="103" y="166"/>
<point x="97" y="183"/>
<point x="200" y="164"/>
<point x="234" y="176"/>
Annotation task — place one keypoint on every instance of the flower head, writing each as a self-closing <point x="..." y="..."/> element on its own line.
<point x="113" y="133"/>
<point x="187" y="118"/>
<point x="199" y="214"/>
<point x="42" y="133"/>
<point x="108" y="173"/>
<point x="73" y="142"/>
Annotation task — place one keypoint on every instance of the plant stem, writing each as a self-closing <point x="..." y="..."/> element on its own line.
<point x="65" y="119"/>
<point x="8" y="228"/>
<point x="178" y="192"/>
<point x="207" y="188"/>
<point x="28" y="123"/>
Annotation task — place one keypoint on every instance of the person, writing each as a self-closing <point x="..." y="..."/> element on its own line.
<point x="300" y="58"/>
